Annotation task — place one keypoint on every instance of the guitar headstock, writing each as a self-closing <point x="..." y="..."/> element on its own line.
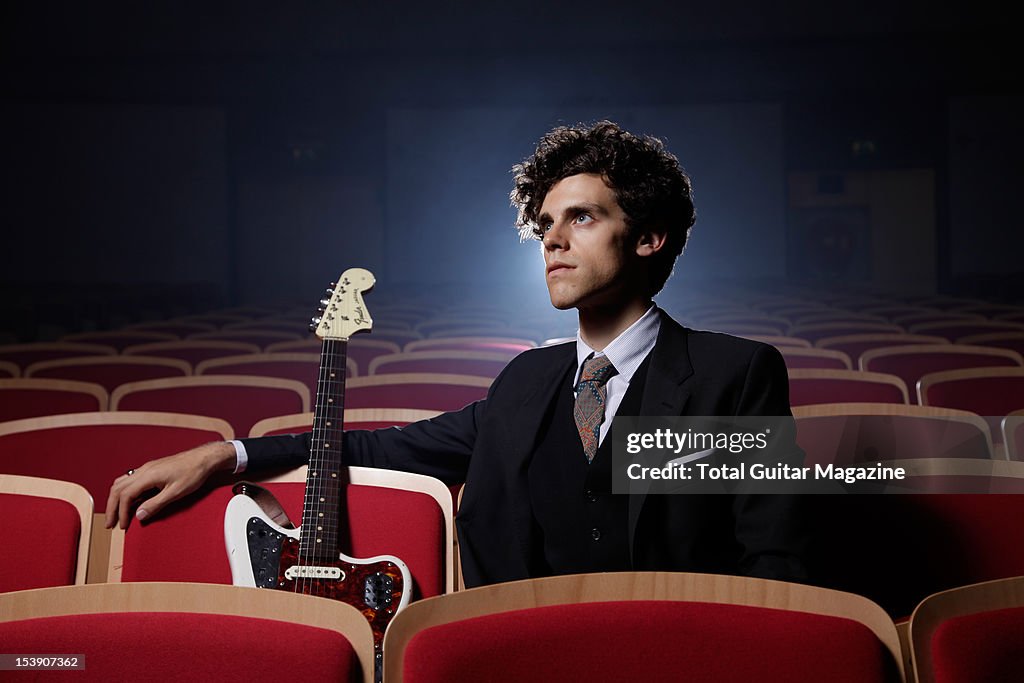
<point x="344" y="313"/>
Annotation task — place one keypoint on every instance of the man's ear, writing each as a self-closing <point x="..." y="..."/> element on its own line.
<point x="651" y="241"/>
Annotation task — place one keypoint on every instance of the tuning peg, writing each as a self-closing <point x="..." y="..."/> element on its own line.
<point x="324" y="303"/>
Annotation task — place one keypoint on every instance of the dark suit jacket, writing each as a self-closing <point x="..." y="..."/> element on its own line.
<point x="488" y="444"/>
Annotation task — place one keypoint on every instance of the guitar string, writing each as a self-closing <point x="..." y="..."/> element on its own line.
<point x="321" y="488"/>
<point x="314" y="492"/>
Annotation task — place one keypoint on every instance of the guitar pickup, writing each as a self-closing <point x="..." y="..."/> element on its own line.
<point x="312" y="572"/>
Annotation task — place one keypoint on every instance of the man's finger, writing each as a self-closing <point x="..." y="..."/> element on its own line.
<point x="153" y="505"/>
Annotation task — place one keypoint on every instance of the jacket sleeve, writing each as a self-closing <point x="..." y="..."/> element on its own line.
<point x="771" y="527"/>
<point x="439" y="447"/>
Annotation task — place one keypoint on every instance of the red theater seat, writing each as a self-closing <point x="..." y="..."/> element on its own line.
<point x="961" y="527"/>
<point x="178" y="632"/>
<point x="854" y="345"/>
<point x="386" y="511"/>
<point x="109" y="372"/>
<point x="260" y="338"/>
<point x="358" y="418"/>
<point x="241" y="400"/>
<point x="51" y="522"/>
<point x="954" y="331"/>
<point x="643" y="627"/>
<point x="815" y="331"/>
<point x="361" y="350"/>
<point x="1014" y="341"/>
<point x="24" y="398"/>
<point x="24" y="355"/>
<point x="994" y="392"/>
<point x="424" y="391"/>
<point x="92" y="449"/>
<point x="192" y="352"/>
<point x="180" y="329"/>
<point x="857" y="433"/>
<point x="9" y="370"/>
<point x="970" y="634"/>
<point x="301" y="367"/>
<point x="119" y="339"/>
<point x="815" y="358"/>
<point x="810" y="386"/>
<point x="911" y="363"/>
<point x="477" y="363"/>
<point x="510" y="346"/>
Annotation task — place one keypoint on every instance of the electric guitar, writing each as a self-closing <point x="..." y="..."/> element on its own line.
<point x="265" y="550"/>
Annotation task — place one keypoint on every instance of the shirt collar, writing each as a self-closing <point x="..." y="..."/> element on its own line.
<point x="628" y="350"/>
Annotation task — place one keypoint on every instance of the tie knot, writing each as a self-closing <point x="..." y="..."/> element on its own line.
<point x="597" y="369"/>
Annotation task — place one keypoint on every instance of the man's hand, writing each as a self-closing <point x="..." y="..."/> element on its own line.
<point x="175" y="476"/>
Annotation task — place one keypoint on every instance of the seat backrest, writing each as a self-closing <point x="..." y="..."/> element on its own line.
<point x="9" y="370"/>
<point x="856" y="433"/>
<point x="358" y="418"/>
<point x="510" y="346"/>
<point x="24" y="355"/>
<point x="92" y="449"/>
<point x="25" y="398"/>
<point x="963" y="528"/>
<point x="641" y="626"/>
<point x="261" y="338"/>
<point x="425" y="391"/>
<point x="360" y="352"/>
<point x="190" y="632"/>
<point x="109" y="372"/>
<point x="458" y="362"/>
<point x="388" y="512"/>
<point x="970" y="633"/>
<point x="994" y="392"/>
<point x="52" y="521"/>
<point x="810" y="385"/>
<point x="179" y="328"/>
<point x="1013" y="341"/>
<point x="301" y="367"/>
<point x="240" y="400"/>
<point x="815" y="358"/>
<point x="815" y="331"/>
<point x="192" y="352"/>
<point x="955" y="330"/>
<point x="854" y="345"/>
<point x="911" y="363"/>
<point x="119" y="339"/>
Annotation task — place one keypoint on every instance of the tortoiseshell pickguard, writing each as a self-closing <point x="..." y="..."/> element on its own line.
<point x="352" y="588"/>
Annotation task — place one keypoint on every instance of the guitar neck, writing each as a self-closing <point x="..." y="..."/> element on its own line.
<point x="321" y="511"/>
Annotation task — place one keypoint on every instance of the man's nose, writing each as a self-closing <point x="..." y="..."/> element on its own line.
<point x="554" y="238"/>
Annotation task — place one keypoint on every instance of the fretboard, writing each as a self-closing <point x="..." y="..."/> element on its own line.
<point x="320" y="512"/>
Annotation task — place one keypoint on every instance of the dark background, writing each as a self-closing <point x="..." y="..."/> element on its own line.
<point x="164" y="158"/>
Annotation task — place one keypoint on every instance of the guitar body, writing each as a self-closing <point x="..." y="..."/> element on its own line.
<point x="263" y="554"/>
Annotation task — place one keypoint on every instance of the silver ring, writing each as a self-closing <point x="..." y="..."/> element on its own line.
<point x="129" y="473"/>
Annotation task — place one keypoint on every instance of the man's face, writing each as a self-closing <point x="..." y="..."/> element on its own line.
<point x="585" y="248"/>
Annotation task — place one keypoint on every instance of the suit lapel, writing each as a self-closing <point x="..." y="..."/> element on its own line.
<point x="665" y="393"/>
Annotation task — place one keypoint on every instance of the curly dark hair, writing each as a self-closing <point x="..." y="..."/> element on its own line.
<point x="649" y="184"/>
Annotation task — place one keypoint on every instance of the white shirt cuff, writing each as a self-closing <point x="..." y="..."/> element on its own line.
<point x="241" y="457"/>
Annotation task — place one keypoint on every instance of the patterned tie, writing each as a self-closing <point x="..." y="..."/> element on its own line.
<point x="590" y="398"/>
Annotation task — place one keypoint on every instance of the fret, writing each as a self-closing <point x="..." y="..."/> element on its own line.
<point x="321" y="508"/>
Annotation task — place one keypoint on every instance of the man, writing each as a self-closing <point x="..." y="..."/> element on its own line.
<point x="612" y="211"/>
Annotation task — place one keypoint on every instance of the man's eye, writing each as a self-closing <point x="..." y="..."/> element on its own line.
<point x="541" y="230"/>
<point x="582" y="218"/>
